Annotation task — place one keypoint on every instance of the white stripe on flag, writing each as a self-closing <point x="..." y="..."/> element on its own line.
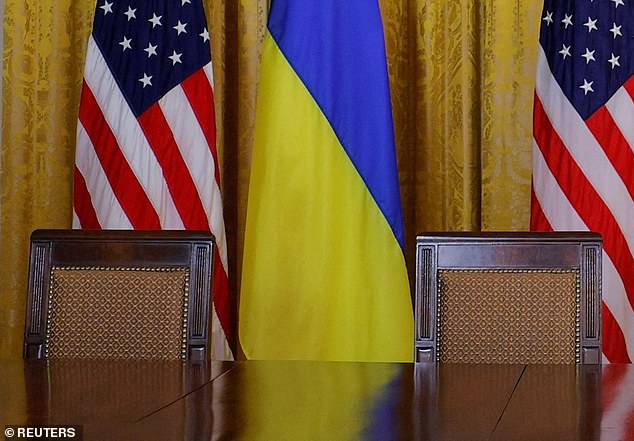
<point x="219" y="347"/>
<point x="208" y="69"/>
<point x="76" y="223"/>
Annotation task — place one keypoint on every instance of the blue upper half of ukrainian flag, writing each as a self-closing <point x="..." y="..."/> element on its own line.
<point x="340" y="58"/>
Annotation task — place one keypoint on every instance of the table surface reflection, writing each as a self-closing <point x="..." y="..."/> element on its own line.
<point x="294" y="400"/>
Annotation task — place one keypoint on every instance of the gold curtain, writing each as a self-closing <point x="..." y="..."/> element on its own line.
<point x="462" y="77"/>
<point x="461" y="74"/>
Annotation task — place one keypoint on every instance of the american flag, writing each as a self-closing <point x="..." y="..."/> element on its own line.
<point x="146" y="154"/>
<point x="583" y="163"/>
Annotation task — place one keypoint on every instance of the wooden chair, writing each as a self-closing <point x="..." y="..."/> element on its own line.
<point x="508" y="297"/>
<point x="119" y="294"/>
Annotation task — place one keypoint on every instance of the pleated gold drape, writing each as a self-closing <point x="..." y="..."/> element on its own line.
<point x="462" y="85"/>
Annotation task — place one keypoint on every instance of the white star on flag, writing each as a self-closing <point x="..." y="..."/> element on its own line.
<point x="130" y="13"/>
<point x="205" y="35"/>
<point x="156" y="20"/>
<point x="146" y="80"/>
<point x="180" y="27"/>
<point x="567" y="21"/>
<point x="589" y="55"/>
<point x="150" y="49"/>
<point x="176" y="58"/>
<point x="548" y="18"/>
<point x="565" y="51"/>
<point x="591" y="24"/>
<point x="126" y="43"/>
<point x="107" y="7"/>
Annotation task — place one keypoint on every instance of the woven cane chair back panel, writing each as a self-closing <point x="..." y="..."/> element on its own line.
<point x="117" y="313"/>
<point x="508" y="316"/>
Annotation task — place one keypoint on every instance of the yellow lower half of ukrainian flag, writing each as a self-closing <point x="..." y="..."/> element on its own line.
<point x="323" y="275"/>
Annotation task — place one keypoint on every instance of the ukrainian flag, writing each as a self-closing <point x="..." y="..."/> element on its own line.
<point x="324" y="274"/>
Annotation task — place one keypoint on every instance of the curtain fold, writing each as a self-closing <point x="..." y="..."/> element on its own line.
<point x="461" y="76"/>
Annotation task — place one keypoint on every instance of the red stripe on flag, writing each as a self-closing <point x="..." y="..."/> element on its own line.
<point x="123" y="181"/>
<point x="179" y="180"/>
<point x="585" y="199"/>
<point x="201" y="98"/>
<point x="616" y="351"/>
<point x="221" y="298"/>
<point x="614" y="145"/>
<point x="83" y="203"/>
<point x="539" y="222"/>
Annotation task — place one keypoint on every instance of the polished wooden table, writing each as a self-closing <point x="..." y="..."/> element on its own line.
<point x="105" y="397"/>
<point x="258" y="400"/>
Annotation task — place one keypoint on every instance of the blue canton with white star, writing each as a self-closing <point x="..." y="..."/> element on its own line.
<point x="151" y="46"/>
<point x="589" y="44"/>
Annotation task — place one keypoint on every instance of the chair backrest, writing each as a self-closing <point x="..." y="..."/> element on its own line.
<point x="508" y="297"/>
<point x="119" y="294"/>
